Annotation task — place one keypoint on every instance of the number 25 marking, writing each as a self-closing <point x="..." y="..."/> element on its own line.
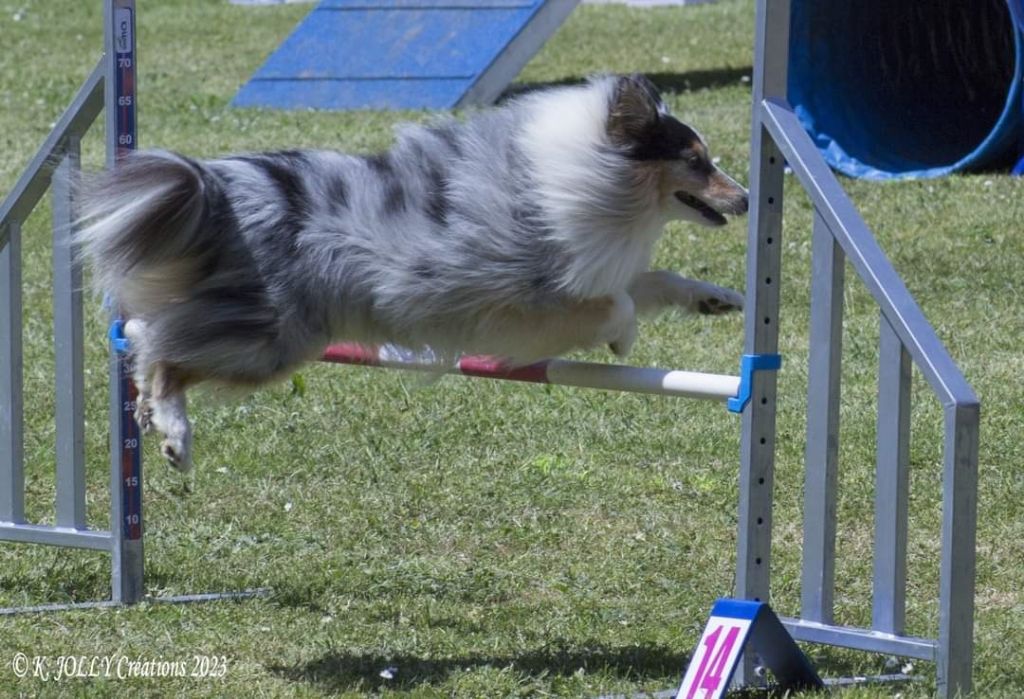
<point x="711" y="669"/>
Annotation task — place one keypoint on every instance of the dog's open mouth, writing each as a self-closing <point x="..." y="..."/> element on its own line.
<point x="703" y="209"/>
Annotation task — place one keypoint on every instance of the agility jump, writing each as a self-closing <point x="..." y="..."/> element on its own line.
<point x="839" y="235"/>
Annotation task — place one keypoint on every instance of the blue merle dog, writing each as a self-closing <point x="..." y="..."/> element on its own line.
<point x="524" y="231"/>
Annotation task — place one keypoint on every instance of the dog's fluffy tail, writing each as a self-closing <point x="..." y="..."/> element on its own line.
<point x="159" y="235"/>
<point x="141" y="228"/>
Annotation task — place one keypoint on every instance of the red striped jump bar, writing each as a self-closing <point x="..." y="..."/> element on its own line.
<point x="563" y="372"/>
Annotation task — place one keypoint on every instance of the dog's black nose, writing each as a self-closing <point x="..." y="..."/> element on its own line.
<point x="743" y="205"/>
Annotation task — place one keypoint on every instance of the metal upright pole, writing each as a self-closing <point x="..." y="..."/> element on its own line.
<point x="817" y="581"/>
<point x="757" y="450"/>
<point x="68" y="345"/>
<point x="125" y="442"/>
<point x="959" y="542"/>
<point x="12" y="426"/>
<point x="892" y="483"/>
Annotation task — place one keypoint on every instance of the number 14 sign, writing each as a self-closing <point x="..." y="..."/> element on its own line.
<point x="735" y="626"/>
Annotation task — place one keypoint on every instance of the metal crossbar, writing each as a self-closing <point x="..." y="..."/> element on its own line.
<point x="73" y="123"/>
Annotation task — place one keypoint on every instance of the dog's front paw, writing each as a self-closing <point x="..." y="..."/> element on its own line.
<point x="717" y="300"/>
<point x="623" y="346"/>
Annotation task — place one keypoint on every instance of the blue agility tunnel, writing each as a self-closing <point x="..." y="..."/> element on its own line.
<point x="915" y="88"/>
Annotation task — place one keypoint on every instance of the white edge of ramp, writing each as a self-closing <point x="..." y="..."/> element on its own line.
<point x="493" y="80"/>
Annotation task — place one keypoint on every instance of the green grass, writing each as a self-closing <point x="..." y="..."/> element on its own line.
<point x="492" y="539"/>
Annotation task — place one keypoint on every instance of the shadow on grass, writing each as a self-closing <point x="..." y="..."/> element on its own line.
<point x="62" y="583"/>
<point x="668" y="83"/>
<point x="338" y="672"/>
<point x="54" y="576"/>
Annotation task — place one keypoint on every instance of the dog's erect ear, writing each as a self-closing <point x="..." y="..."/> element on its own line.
<point x="634" y="109"/>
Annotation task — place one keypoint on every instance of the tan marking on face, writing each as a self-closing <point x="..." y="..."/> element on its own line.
<point x="721" y="187"/>
<point x="699" y="149"/>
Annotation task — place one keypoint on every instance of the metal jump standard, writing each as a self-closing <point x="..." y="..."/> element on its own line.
<point x="110" y="88"/>
<point x="839" y="234"/>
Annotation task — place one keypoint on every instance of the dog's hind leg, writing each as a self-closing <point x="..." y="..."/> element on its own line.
<point x="661" y="289"/>
<point x="142" y="369"/>
<point x="169" y="415"/>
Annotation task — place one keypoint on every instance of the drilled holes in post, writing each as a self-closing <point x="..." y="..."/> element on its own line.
<point x="769" y="240"/>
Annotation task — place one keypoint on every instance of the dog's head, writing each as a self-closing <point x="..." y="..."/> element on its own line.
<point x="690" y="186"/>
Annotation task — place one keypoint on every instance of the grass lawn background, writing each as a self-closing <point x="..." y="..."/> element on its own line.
<point x="484" y="538"/>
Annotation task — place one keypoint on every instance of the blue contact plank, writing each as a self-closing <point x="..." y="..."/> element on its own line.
<point x="403" y="54"/>
<point x="412" y="43"/>
<point x="352" y="94"/>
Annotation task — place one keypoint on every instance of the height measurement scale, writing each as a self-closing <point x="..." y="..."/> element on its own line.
<point x="126" y="442"/>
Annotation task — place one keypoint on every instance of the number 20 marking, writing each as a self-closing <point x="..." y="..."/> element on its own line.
<point x="709" y="673"/>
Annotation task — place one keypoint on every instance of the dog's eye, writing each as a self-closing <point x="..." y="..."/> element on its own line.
<point x="693" y="160"/>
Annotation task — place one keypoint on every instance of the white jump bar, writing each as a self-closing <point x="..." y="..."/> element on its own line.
<point x="612" y="377"/>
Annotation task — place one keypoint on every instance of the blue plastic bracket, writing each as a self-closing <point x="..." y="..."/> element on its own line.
<point x="117" y="338"/>
<point x="748" y="365"/>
